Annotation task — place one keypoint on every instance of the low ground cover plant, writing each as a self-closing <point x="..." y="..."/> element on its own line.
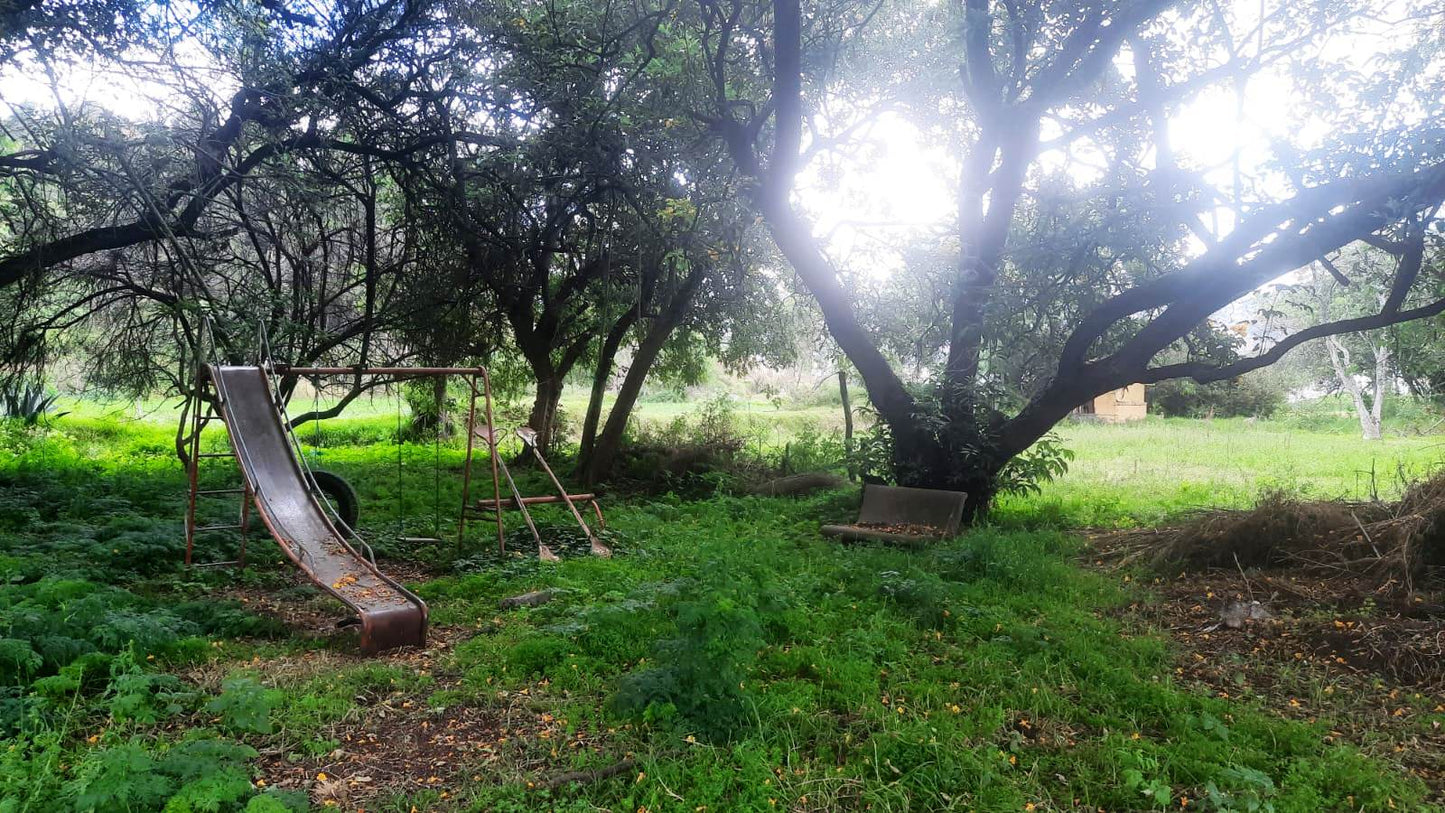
<point x="727" y="656"/>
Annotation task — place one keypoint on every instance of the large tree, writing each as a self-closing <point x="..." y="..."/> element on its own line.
<point x="1027" y="83"/>
<point x="272" y="209"/>
<point x="596" y="219"/>
<point x="88" y="189"/>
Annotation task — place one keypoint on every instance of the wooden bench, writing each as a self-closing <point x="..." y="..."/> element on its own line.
<point x="903" y="515"/>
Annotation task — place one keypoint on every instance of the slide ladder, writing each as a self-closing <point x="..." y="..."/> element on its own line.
<point x="391" y="616"/>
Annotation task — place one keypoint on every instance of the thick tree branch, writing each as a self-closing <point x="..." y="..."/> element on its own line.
<point x="1268" y="243"/>
<point x="1204" y="372"/>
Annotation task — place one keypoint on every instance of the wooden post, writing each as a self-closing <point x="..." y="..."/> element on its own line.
<point x="847" y="425"/>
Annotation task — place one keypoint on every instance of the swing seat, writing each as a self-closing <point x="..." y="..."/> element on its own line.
<point x="903" y="516"/>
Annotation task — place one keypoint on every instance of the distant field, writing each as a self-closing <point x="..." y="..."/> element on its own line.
<point x="1139" y="473"/>
<point x="1121" y="474"/>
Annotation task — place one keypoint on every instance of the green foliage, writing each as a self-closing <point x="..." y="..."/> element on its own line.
<point x="64" y="632"/>
<point x="18" y="661"/>
<point x="1045" y="461"/>
<point x="1151" y="471"/>
<point x="26" y="403"/>
<point x="693" y="454"/>
<point x="701" y="672"/>
<point x="1250" y="791"/>
<point x="1249" y="396"/>
<point x="812" y="450"/>
<point x="137" y="696"/>
<point x="537" y="656"/>
<point x="1334" y="414"/>
<point x="245" y="705"/>
<point x="196" y="776"/>
<point x="230" y="619"/>
<point x="272" y="801"/>
<point x="873" y="449"/>
<point x="1024" y="474"/>
<point x="792" y="663"/>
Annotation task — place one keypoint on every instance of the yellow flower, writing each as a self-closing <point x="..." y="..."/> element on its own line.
<point x="321" y="777"/>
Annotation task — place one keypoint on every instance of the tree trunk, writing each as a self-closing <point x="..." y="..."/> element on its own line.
<point x="1382" y="383"/>
<point x="609" y="442"/>
<point x="429" y="415"/>
<point x="441" y="420"/>
<point x="606" y="361"/>
<point x="543" y="417"/>
<point x="849" y="460"/>
<point x="794" y="239"/>
<point x="1340" y="360"/>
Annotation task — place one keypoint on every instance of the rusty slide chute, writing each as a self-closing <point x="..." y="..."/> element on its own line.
<point x="391" y="616"/>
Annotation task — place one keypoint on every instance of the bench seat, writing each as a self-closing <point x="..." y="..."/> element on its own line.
<point x="901" y="515"/>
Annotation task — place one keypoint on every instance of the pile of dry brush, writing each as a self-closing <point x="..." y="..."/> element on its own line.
<point x="1401" y="542"/>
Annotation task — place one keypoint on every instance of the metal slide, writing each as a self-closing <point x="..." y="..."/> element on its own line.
<point x="391" y="616"/>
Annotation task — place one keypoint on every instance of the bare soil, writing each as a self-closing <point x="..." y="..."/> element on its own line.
<point x="1360" y="657"/>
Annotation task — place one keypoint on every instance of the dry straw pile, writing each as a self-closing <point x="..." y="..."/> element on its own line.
<point x="1401" y="542"/>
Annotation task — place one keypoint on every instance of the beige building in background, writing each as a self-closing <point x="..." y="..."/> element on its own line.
<point x="1126" y="404"/>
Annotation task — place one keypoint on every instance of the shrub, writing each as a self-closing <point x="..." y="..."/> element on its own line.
<point x="1026" y="473"/>
<point x="813" y="450"/>
<point x="245" y="705"/>
<point x="197" y="775"/>
<point x="535" y="656"/>
<point x="694" y="454"/>
<point x="26" y="403"/>
<point x="143" y="697"/>
<point x="702" y="671"/>
<point x="1246" y="396"/>
<point x="1042" y="462"/>
<point x="228" y="619"/>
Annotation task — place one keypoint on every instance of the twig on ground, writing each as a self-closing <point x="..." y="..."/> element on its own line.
<point x="1240" y="567"/>
<point x="1368" y="538"/>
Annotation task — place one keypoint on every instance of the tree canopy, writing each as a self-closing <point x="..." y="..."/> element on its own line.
<point x="574" y="183"/>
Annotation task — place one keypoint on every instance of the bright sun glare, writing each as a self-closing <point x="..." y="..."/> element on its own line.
<point x="867" y="209"/>
<point x="908" y="187"/>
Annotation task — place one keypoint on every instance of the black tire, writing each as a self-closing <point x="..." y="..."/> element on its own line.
<point x="342" y="496"/>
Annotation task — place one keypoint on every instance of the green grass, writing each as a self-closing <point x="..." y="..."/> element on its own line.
<point x="740" y="660"/>
<point x="972" y="676"/>
<point x="1144" y="472"/>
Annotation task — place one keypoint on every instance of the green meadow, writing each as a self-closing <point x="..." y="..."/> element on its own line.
<point x="727" y="658"/>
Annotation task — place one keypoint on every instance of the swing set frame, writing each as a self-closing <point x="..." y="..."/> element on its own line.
<point x="474" y="376"/>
